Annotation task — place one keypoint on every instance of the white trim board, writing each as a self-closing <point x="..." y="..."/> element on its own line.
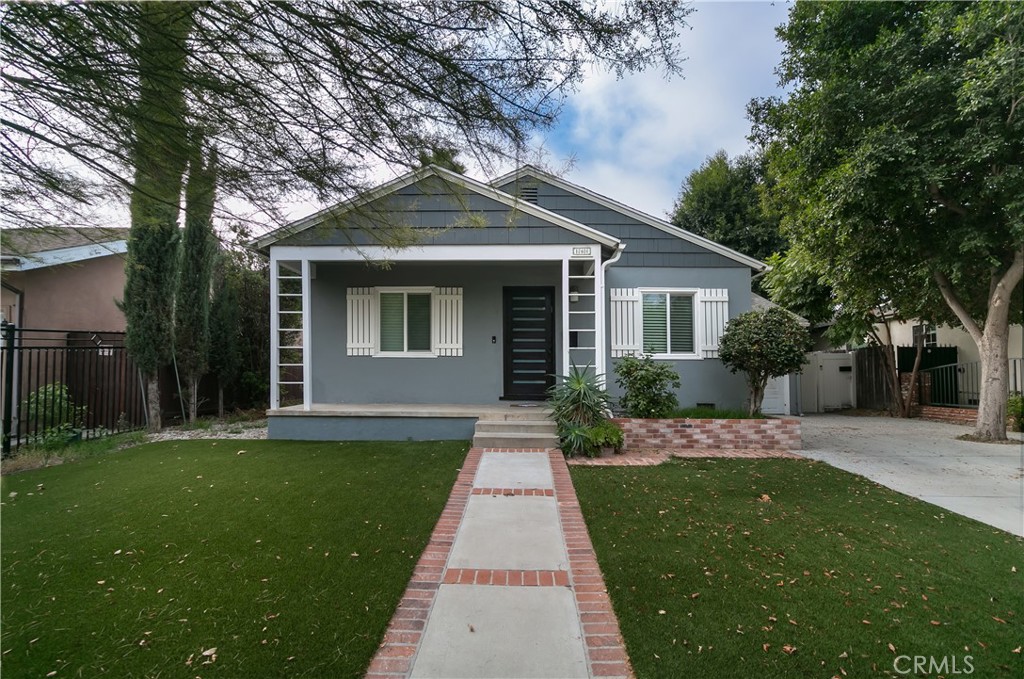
<point x="621" y="208"/>
<point x="459" y="180"/>
<point x="424" y="253"/>
<point x="78" y="253"/>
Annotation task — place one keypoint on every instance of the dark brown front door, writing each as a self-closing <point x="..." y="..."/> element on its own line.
<point x="529" y="342"/>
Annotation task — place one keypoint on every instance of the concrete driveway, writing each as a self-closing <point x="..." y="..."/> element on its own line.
<point x="923" y="459"/>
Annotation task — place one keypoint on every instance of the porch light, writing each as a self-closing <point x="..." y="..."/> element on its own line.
<point x="574" y="295"/>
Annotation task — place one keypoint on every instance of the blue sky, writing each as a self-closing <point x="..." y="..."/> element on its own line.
<point x="637" y="138"/>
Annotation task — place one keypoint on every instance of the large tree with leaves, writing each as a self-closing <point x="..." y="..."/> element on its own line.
<point x="303" y="100"/>
<point x="721" y="200"/>
<point x="198" y="249"/>
<point x="898" y="160"/>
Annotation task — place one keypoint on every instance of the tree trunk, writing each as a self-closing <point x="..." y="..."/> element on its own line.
<point x="995" y="379"/>
<point x="220" y="399"/>
<point x="193" y="400"/>
<point x="757" y="395"/>
<point x="908" y="402"/>
<point x="153" y="401"/>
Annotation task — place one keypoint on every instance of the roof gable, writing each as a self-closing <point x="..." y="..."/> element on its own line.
<point x="508" y="181"/>
<point x="457" y="182"/>
<point x="36" y="248"/>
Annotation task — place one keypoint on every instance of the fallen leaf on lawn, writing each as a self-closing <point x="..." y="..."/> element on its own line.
<point x="999" y="620"/>
<point x="935" y="622"/>
<point x="844" y="654"/>
<point x="52" y="674"/>
<point x="765" y="647"/>
<point x="765" y="498"/>
<point x="789" y="649"/>
<point x="189" y="661"/>
<point x="240" y="452"/>
<point x="661" y="612"/>
<point x="210" y="651"/>
<point x="1016" y="650"/>
<point x="891" y="647"/>
<point x="792" y="621"/>
<point x="354" y="554"/>
<point x="116" y="552"/>
<point x="101" y="582"/>
<point x="695" y="595"/>
<point x="866" y="622"/>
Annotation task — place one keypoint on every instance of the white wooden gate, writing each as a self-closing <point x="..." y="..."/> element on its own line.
<point x="827" y="382"/>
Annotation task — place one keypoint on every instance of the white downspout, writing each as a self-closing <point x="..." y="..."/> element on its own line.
<point x="601" y="367"/>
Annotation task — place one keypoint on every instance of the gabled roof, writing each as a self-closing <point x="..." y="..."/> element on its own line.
<point x="757" y="303"/>
<point x="621" y="208"/>
<point x="35" y="248"/>
<point x="462" y="181"/>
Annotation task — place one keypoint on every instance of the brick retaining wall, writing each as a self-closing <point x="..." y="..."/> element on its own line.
<point x="967" y="416"/>
<point x="768" y="434"/>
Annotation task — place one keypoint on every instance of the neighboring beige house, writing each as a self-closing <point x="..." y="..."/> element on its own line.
<point x="905" y="333"/>
<point x="66" y="279"/>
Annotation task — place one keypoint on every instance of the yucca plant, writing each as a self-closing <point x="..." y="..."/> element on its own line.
<point x="577" y="403"/>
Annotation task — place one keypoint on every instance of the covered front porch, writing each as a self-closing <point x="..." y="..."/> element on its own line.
<point x="413" y="421"/>
<point x="430" y="332"/>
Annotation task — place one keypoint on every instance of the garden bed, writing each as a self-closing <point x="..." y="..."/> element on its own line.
<point x="721" y="434"/>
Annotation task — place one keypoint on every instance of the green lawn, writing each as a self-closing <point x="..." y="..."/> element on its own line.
<point x="288" y="558"/>
<point x="721" y="568"/>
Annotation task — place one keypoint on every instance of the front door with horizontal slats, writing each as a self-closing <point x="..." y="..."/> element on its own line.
<point x="529" y="342"/>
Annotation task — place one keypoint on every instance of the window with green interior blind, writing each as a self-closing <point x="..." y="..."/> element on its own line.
<point x="668" y="323"/>
<point x="404" y="322"/>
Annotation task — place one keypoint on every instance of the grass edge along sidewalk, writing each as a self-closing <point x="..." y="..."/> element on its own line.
<point x="216" y="558"/>
<point x="781" y="568"/>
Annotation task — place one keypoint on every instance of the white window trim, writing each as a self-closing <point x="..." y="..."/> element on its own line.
<point x="415" y="289"/>
<point x="698" y="339"/>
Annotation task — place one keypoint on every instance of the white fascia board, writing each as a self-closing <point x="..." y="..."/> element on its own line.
<point x="424" y="253"/>
<point x="79" y="253"/>
<point x="462" y="181"/>
<point x="612" y="204"/>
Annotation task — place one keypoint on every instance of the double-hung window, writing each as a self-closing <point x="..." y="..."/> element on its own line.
<point x="405" y="324"/>
<point x="925" y="331"/>
<point x="668" y="323"/>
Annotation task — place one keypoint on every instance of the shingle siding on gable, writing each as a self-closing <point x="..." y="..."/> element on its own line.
<point x="646" y="246"/>
<point x="418" y="209"/>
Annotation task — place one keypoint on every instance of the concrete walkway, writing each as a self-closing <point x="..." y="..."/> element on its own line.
<point x="508" y="586"/>
<point x="984" y="481"/>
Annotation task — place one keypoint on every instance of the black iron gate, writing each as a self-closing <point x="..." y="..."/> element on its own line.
<point x="60" y="385"/>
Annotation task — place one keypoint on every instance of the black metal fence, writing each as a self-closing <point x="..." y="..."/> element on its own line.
<point x="61" y="385"/>
<point x="959" y="384"/>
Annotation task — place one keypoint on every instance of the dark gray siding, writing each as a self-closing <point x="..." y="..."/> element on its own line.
<point x="475" y="377"/>
<point x="646" y="246"/>
<point x="459" y="218"/>
<point x="706" y="380"/>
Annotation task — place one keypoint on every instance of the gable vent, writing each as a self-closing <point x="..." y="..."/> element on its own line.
<point x="529" y="194"/>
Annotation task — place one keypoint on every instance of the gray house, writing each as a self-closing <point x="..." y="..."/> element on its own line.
<point x="475" y="295"/>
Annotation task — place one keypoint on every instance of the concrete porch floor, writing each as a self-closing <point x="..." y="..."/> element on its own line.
<point x="512" y="410"/>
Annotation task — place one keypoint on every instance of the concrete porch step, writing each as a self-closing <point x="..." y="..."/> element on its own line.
<point x="515" y="427"/>
<point x="514" y="440"/>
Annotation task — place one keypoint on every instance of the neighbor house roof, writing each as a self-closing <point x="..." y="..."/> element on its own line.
<point x="621" y="208"/>
<point x="462" y="181"/>
<point x="758" y="303"/>
<point x="34" y="248"/>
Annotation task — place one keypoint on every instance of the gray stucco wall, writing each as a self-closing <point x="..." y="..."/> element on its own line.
<point x="476" y="377"/>
<point x="465" y="219"/>
<point x="705" y="380"/>
<point x="646" y="245"/>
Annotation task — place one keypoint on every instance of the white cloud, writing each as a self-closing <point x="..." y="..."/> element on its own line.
<point x="636" y="139"/>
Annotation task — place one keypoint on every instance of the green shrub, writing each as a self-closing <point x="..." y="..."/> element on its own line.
<point x="1015" y="411"/>
<point x="704" y="413"/>
<point x="577" y="402"/>
<point x="54" y="414"/>
<point x="606" y="434"/>
<point x="648" y="386"/>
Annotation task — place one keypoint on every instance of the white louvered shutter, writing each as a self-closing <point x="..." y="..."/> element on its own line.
<point x="448" y="321"/>
<point x="361" y="321"/>
<point x="626" y="322"/>
<point x="714" y="314"/>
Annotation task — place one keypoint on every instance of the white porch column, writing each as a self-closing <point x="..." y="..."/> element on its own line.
<point x="275" y="335"/>
<point x="565" y="316"/>
<point x="307" y="342"/>
<point x="599" y="310"/>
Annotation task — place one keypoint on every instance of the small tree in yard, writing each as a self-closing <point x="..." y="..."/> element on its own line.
<point x="764" y="344"/>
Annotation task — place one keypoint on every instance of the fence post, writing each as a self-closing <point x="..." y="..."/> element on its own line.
<point x="8" y="337"/>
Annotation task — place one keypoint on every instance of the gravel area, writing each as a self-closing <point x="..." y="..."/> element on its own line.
<point x="255" y="429"/>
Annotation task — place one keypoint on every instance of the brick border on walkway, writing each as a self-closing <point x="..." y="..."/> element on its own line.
<point x="650" y="458"/>
<point x="402" y="638"/>
<point x="529" y="492"/>
<point x="606" y="652"/>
